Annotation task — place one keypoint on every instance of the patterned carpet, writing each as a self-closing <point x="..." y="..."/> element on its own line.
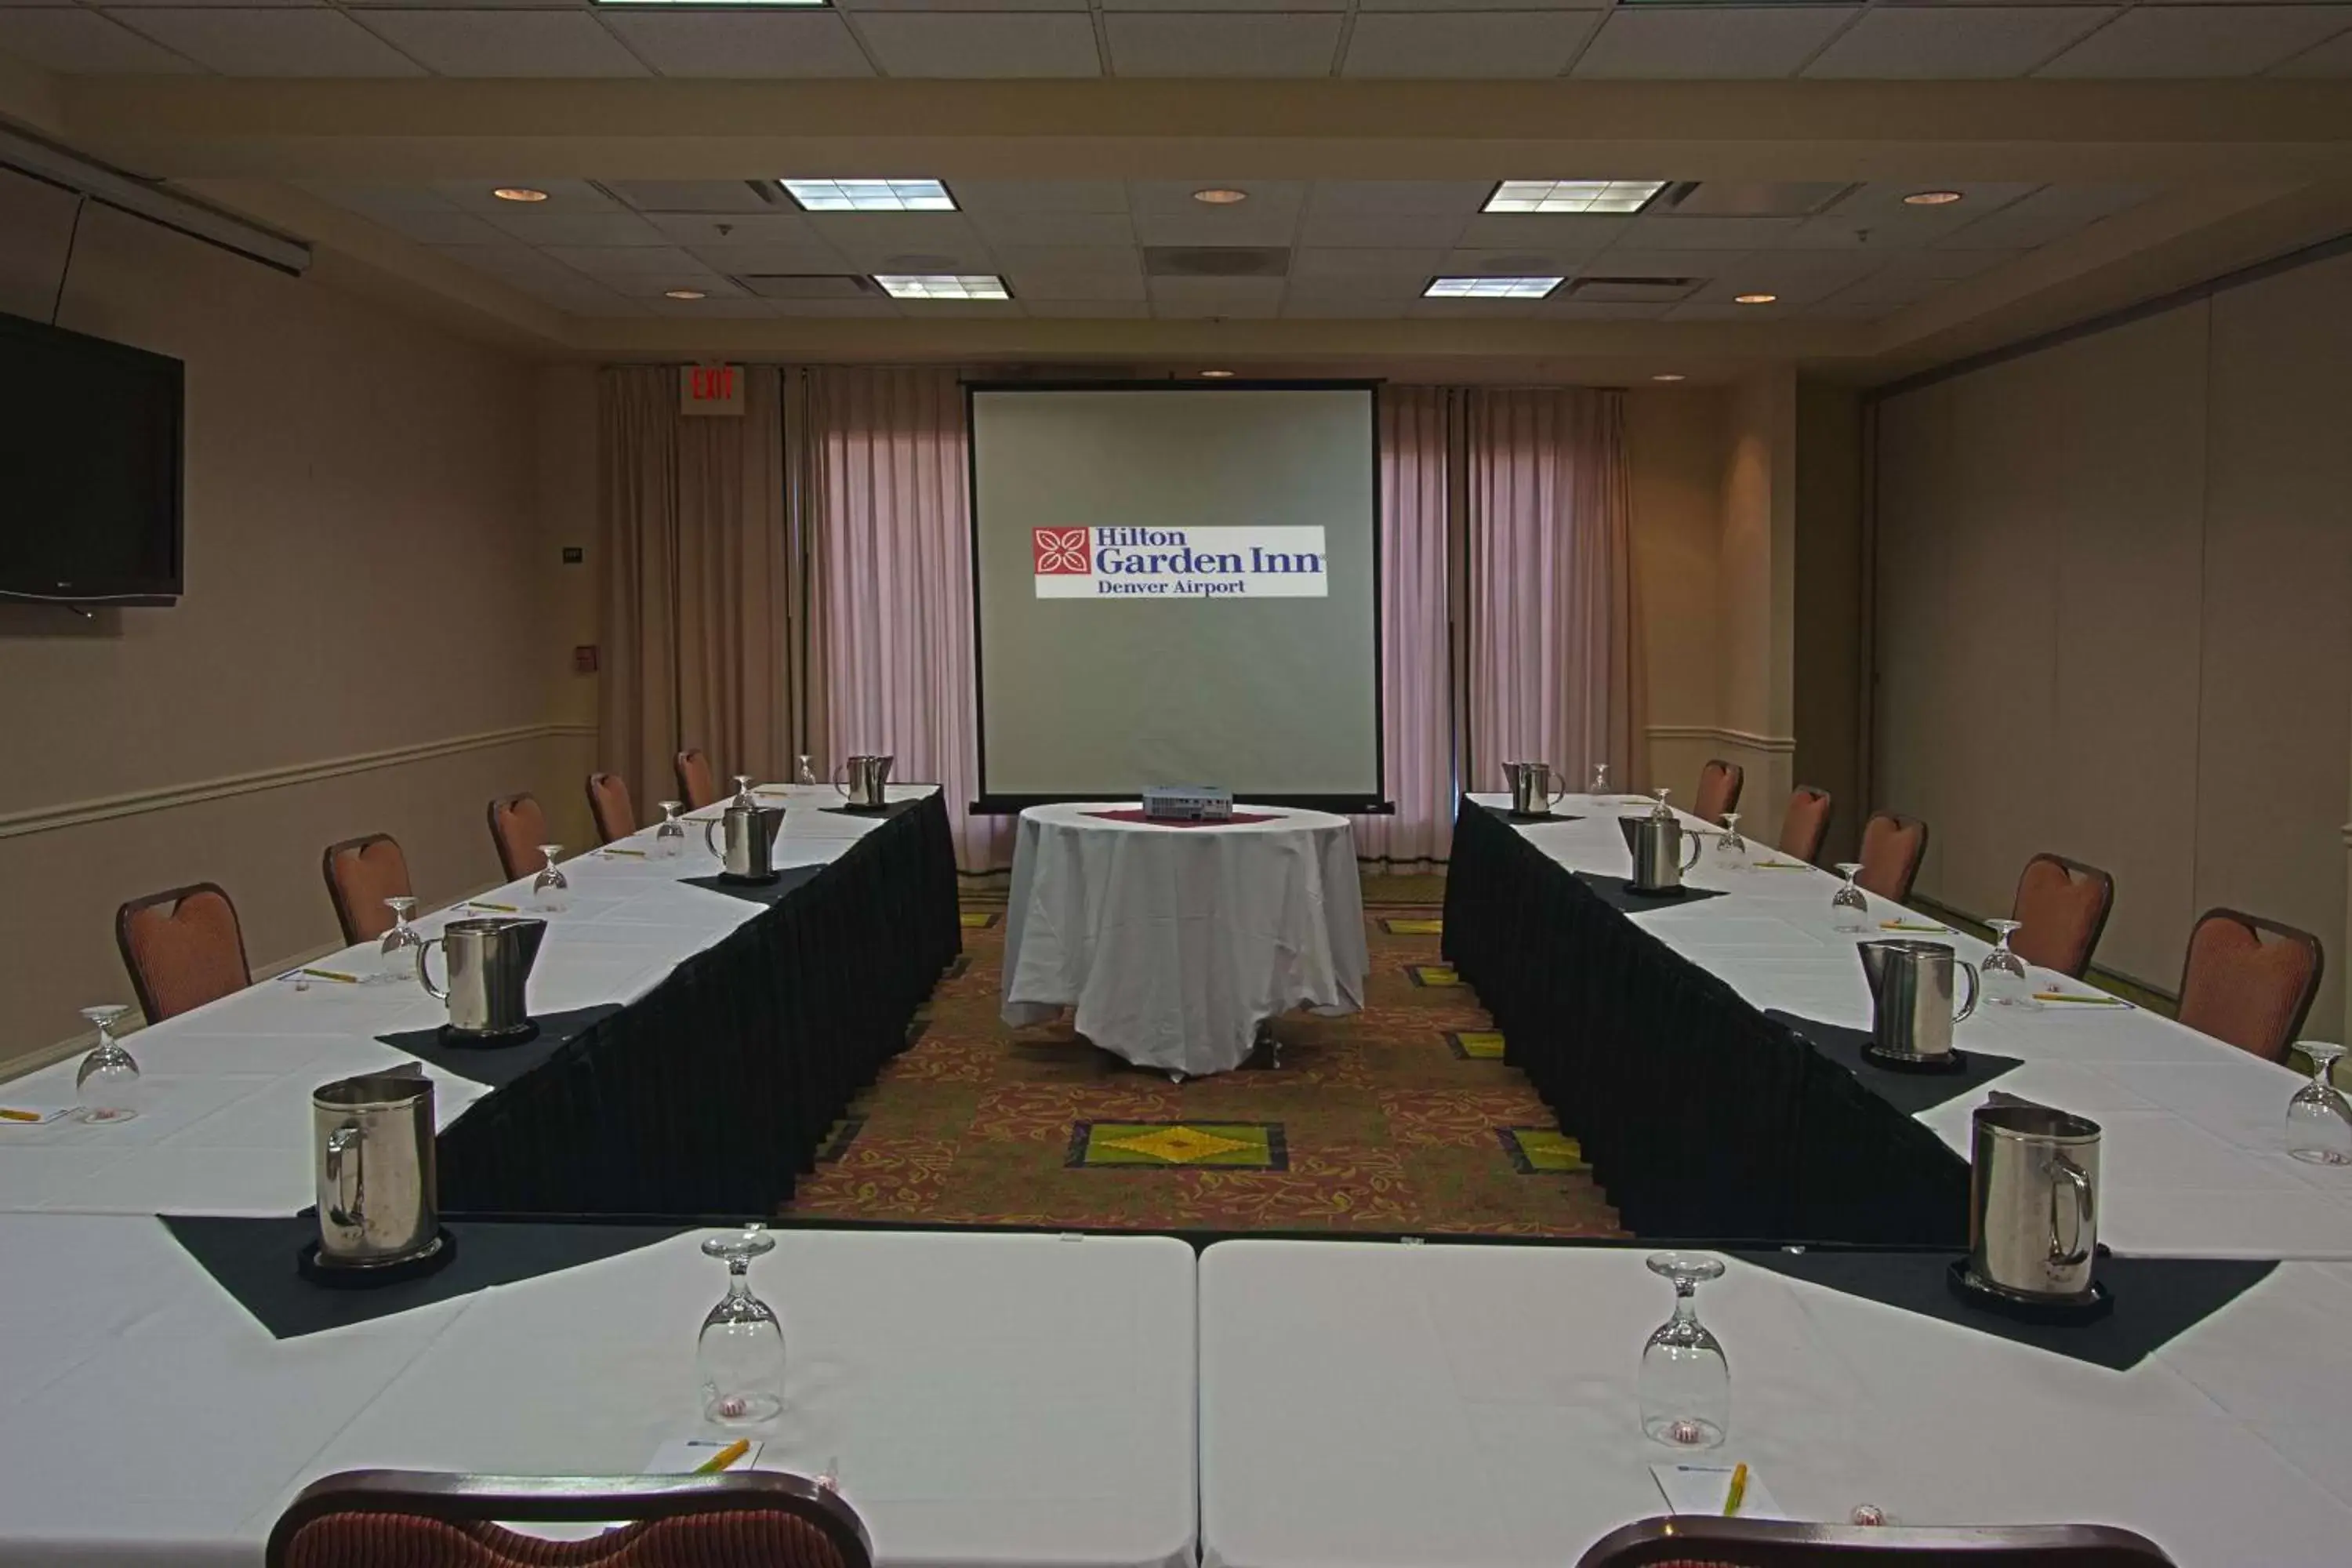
<point x="1400" y="1118"/>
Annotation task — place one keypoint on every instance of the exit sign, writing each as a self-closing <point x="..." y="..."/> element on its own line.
<point x="710" y="389"/>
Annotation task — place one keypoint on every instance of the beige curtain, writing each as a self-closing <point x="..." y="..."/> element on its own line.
<point x="699" y="611"/>
<point x="1555" y="673"/>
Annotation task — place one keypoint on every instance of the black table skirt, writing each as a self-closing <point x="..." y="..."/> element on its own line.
<point x="1699" y="1116"/>
<point x="709" y="1095"/>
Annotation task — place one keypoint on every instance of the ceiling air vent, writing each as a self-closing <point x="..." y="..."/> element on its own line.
<point x="1631" y="290"/>
<point x="1215" y="261"/>
<point x="1750" y="199"/>
<point x="809" y="286"/>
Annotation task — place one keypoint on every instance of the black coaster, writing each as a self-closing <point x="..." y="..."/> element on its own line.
<point x="1971" y="1291"/>
<point x="1901" y="1083"/>
<point x="255" y="1261"/>
<point x="1952" y="1061"/>
<point x="787" y="881"/>
<point x="439" y="1255"/>
<point x="2154" y="1300"/>
<point x="499" y="1062"/>
<point x="1531" y="817"/>
<point x="882" y="813"/>
<point x="457" y="1040"/>
<point x="1618" y="894"/>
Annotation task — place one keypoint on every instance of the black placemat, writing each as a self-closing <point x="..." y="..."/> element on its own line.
<point x="873" y="814"/>
<point x="1530" y="818"/>
<point x="498" y="1064"/>
<point x="2157" y="1299"/>
<point x="1908" y="1092"/>
<point x="1615" y="892"/>
<point x="254" y="1260"/>
<point x="789" y="880"/>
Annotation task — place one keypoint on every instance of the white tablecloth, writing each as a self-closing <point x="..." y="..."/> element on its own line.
<point x="1476" y="1407"/>
<point x="984" y="1400"/>
<point x="225" y="1122"/>
<point x="2193" y="1160"/>
<point x="1174" y="944"/>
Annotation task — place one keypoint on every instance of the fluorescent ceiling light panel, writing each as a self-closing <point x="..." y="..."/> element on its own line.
<point x="870" y="196"/>
<point x="1572" y="195"/>
<point x="943" y="286"/>
<point x="1489" y="288"/>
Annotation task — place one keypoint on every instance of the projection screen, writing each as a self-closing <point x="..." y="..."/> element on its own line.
<point x="1176" y="583"/>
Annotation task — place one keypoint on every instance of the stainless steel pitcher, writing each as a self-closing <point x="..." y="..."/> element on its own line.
<point x="2033" y="1199"/>
<point x="372" y="1155"/>
<point x="1656" y="843"/>
<point x="1531" y="791"/>
<point x="863" y="780"/>
<point x="489" y="971"/>
<point x="1911" y="997"/>
<point x="748" y="855"/>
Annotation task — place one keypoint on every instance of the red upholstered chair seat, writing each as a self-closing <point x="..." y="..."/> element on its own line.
<point x="1806" y="822"/>
<point x="361" y="874"/>
<point x="608" y="802"/>
<point x="518" y="828"/>
<point x="182" y="949"/>
<point x="2063" y="905"/>
<point x="2248" y="981"/>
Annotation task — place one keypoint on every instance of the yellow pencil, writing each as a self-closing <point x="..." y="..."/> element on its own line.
<point x="1739" y="1492"/>
<point x="724" y="1457"/>
<point x="502" y="908"/>
<point x="8" y="1115"/>
<point x="633" y="854"/>
<point x="1912" y="925"/>
<point x="2084" y="1001"/>
<point x="332" y="974"/>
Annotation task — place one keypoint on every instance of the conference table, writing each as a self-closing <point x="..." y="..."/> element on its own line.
<point x="1646" y="1030"/>
<point x="696" y="1041"/>
<point x="1174" y="942"/>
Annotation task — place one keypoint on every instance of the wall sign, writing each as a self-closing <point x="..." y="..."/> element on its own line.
<point x="710" y="389"/>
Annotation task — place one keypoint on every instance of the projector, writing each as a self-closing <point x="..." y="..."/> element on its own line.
<point x="1187" y="802"/>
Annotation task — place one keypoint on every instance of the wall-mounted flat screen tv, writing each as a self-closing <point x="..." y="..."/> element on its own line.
<point x="89" y="468"/>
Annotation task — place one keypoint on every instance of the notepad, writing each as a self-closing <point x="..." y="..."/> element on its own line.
<point x="1700" y="1489"/>
<point x="13" y="1115"/>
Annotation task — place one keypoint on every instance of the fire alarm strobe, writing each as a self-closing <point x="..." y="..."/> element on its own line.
<point x="1187" y="802"/>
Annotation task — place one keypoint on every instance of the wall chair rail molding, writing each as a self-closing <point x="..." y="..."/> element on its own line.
<point x="1780" y="745"/>
<point x="137" y="803"/>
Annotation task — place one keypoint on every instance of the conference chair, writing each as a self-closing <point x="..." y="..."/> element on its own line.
<point x="182" y="948"/>
<point x="407" y="1518"/>
<point x="361" y="874"/>
<point x="1718" y="789"/>
<point x="2061" y="908"/>
<point x="697" y="784"/>
<point x="1892" y="848"/>
<point x="2250" y="981"/>
<point x="518" y="828"/>
<point x="1699" y="1542"/>
<point x="1806" y="822"/>
<point x="609" y="804"/>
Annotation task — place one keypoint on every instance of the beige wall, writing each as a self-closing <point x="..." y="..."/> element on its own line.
<point x="364" y="643"/>
<point x="2113" y="582"/>
<point x="1826" y="625"/>
<point x="1675" y="452"/>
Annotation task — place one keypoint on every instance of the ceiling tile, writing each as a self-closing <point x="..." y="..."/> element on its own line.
<point x="1198" y="296"/>
<point x="566" y="196"/>
<point x="1884" y="198"/>
<point x="1564" y="307"/>
<point x="1483" y="4"/>
<point x="692" y="197"/>
<point x="2199" y="40"/>
<point x="1712" y="310"/>
<point x="1670" y="233"/>
<point x="1093" y="310"/>
<point x="1176" y="195"/>
<point x="969" y="44"/>
<point x="1939" y="266"/>
<point x="448" y="227"/>
<point x="816" y="260"/>
<point x="1381" y="229"/>
<point x="1712" y="41"/>
<point x="2050" y="214"/>
<point x="214" y="5"/>
<point x="734" y="228"/>
<point x="876" y="242"/>
<point x="1575" y="233"/>
<point x="1953" y="42"/>
<point x="1055" y="228"/>
<point x="506" y="43"/>
<point x="1152" y="44"/>
<point x="1040" y="195"/>
<point x="86" y="44"/>
<point x="2331" y="59"/>
<point x="1041" y="283"/>
<point x="1632" y="263"/>
<point x="1217" y="225"/>
<point x="535" y="228"/>
<point x="1903" y="230"/>
<point x="1459" y="43"/>
<point x="653" y="285"/>
<point x="877" y="306"/>
<point x="1215" y="6"/>
<point x="366" y="196"/>
<point x="1460" y="196"/>
<point x="747" y="44"/>
<point x="1797" y="276"/>
<point x="400" y="5"/>
<point x="1535" y="263"/>
<point x="1343" y="308"/>
<point x="1316" y="264"/>
<point x="273" y="43"/>
<point x="1096" y="261"/>
<point x="597" y="259"/>
<point x="1473" y="310"/>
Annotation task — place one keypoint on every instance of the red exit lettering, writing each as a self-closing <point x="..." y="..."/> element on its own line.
<point x="713" y="383"/>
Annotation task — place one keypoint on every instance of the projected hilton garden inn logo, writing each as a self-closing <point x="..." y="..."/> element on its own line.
<point x="1179" y="562"/>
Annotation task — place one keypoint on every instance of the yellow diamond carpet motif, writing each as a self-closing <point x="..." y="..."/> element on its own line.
<point x="1177" y="1145"/>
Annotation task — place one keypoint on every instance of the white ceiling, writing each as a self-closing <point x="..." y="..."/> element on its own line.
<point x="1358" y="249"/>
<point x="1476" y="38"/>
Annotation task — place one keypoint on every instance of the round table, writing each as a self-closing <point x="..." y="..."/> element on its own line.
<point x="1174" y="944"/>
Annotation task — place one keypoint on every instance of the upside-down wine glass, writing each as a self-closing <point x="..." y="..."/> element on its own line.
<point x="396" y="955"/>
<point x="803" y="771"/>
<point x="2319" y="1119"/>
<point x="743" y="796"/>
<point x="2007" y="982"/>
<point x="1731" y="849"/>
<point x="108" y="1083"/>
<point x="1849" y="906"/>
<point x="1600" y="780"/>
<point x="1662" y="808"/>
<point x="739" y="1358"/>
<point x="550" y="890"/>
<point x="669" y="838"/>
<point x="1686" y="1383"/>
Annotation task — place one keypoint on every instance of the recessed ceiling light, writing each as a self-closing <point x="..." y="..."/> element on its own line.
<point x="1755" y="298"/>
<point x="518" y="194"/>
<point x="1220" y="197"/>
<point x="684" y="294"/>
<point x="942" y="285"/>
<point x="1667" y="375"/>
<point x="1572" y="195"/>
<point x="1931" y="198"/>
<point x="1216" y="376"/>
<point x="1489" y="288"/>
<point x="870" y="196"/>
